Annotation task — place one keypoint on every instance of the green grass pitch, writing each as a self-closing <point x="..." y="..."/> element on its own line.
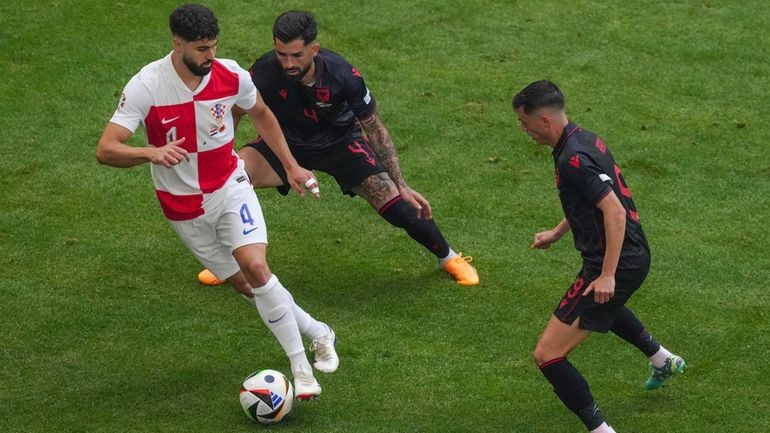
<point x="103" y="327"/>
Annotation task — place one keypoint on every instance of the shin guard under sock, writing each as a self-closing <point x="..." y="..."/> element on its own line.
<point x="572" y="389"/>
<point x="401" y="214"/>
<point x="628" y="327"/>
<point x="275" y="307"/>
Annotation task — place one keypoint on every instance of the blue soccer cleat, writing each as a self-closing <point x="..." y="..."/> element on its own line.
<point x="673" y="366"/>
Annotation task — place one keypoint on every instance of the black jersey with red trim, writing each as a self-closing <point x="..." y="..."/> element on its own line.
<point x="320" y="116"/>
<point x="585" y="173"/>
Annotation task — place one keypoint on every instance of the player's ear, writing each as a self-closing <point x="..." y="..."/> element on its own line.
<point x="176" y="42"/>
<point x="545" y="118"/>
<point x="314" y="48"/>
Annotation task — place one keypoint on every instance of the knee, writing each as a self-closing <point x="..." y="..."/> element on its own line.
<point x="399" y="213"/>
<point x="240" y="283"/>
<point x="538" y="356"/>
<point x="543" y="354"/>
<point x="257" y="273"/>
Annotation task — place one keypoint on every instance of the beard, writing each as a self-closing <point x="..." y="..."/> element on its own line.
<point x="199" y="70"/>
<point x="297" y="76"/>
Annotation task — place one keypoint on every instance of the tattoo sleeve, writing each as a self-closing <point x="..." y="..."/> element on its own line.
<point x="382" y="144"/>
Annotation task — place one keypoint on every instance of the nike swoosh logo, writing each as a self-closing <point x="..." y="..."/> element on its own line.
<point x="245" y="232"/>
<point x="165" y="121"/>
<point x="276" y="320"/>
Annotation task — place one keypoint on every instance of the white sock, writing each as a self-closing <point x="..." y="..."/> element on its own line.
<point x="660" y="357"/>
<point x="449" y="257"/>
<point x="308" y="326"/>
<point x="276" y="310"/>
<point x="604" y="428"/>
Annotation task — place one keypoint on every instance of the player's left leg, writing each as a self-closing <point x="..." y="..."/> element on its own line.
<point x="381" y="193"/>
<point x="322" y="337"/>
<point x="663" y="364"/>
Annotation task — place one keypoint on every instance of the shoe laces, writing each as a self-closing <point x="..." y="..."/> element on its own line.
<point x="304" y="378"/>
<point x="466" y="259"/>
<point x="322" y="346"/>
<point x="666" y="370"/>
<point x="458" y="261"/>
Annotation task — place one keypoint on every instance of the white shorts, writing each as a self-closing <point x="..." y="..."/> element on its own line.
<point x="233" y="218"/>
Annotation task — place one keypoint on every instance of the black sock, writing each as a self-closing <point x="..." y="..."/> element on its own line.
<point x="572" y="389"/>
<point x="629" y="328"/>
<point x="401" y="214"/>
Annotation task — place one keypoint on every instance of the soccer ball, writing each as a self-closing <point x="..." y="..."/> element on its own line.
<point x="267" y="396"/>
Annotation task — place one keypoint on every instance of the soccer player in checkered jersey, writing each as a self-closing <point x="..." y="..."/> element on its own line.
<point x="616" y="257"/>
<point x="185" y="102"/>
<point x="322" y="104"/>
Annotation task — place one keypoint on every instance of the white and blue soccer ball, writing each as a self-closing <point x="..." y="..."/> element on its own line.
<point x="267" y="396"/>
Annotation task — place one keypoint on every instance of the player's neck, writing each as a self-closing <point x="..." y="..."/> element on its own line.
<point x="189" y="79"/>
<point x="557" y="130"/>
<point x="309" y="78"/>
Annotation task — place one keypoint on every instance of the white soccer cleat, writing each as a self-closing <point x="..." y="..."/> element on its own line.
<point x="326" y="359"/>
<point x="305" y="386"/>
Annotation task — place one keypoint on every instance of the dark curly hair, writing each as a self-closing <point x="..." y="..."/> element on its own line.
<point x="193" y="22"/>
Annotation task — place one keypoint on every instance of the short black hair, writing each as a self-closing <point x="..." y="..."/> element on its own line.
<point x="537" y="95"/>
<point x="193" y="22"/>
<point x="295" y="24"/>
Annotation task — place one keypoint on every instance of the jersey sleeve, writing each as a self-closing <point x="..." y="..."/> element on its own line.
<point x="135" y="102"/>
<point x="247" y="91"/>
<point x="358" y="96"/>
<point x="581" y="171"/>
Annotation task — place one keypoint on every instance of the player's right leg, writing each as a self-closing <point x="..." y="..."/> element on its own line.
<point x="276" y="308"/>
<point x="550" y="355"/>
<point x="231" y="240"/>
<point x="381" y="193"/>
<point x="242" y="228"/>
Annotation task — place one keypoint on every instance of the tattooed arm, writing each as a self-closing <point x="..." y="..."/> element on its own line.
<point x="382" y="144"/>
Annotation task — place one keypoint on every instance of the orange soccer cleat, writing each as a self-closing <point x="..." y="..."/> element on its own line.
<point x="460" y="268"/>
<point x="209" y="279"/>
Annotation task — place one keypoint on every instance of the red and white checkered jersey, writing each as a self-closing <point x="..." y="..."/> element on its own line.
<point x="157" y="97"/>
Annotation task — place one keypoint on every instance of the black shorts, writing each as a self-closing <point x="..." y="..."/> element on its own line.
<point x="349" y="164"/>
<point x="600" y="317"/>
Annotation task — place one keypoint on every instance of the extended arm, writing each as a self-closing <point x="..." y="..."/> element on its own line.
<point x="265" y="122"/>
<point x="544" y="239"/>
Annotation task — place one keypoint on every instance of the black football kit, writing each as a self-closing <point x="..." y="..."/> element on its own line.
<point x="320" y="122"/>
<point x="321" y="125"/>
<point x="585" y="173"/>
